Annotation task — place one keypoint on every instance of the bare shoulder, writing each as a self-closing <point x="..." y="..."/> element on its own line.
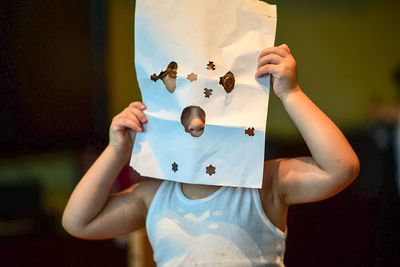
<point x="271" y="175"/>
<point x="273" y="204"/>
<point x="147" y="189"/>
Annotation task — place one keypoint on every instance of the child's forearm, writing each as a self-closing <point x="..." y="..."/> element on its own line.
<point x="91" y="194"/>
<point x="328" y="146"/>
<point x="333" y="165"/>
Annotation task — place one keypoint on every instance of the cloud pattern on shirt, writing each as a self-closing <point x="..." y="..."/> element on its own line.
<point x="189" y="238"/>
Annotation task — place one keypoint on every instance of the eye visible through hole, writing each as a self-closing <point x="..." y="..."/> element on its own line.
<point x="168" y="76"/>
<point x="193" y="119"/>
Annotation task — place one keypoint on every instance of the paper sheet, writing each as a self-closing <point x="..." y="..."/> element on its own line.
<point x="201" y="57"/>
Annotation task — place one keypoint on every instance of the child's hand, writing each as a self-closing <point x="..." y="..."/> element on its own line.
<point x="279" y="62"/>
<point x="124" y="127"/>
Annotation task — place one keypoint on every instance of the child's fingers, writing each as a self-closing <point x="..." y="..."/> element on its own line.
<point x="136" y="109"/>
<point x="280" y="51"/>
<point x="123" y="121"/>
<point x="285" y="47"/>
<point x="267" y="69"/>
<point x="131" y="117"/>
<point x="139" y="114"/>
<point x="269" y="59"/>
<point x="138" y="105"/>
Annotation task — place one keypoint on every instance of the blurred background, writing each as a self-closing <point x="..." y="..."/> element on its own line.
<point x="67" y="67"/>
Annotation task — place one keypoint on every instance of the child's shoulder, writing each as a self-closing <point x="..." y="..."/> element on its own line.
<point x="147" y="188"/>
<point x="270" y="187"/>
<point x="271" y="171"/>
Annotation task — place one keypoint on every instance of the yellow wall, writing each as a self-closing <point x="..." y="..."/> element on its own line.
<point x="122" y="83"/>
<point x="345" y="51"/>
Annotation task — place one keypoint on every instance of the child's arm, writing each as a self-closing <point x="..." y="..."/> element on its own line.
<point x="92" y="212"/>
<point x="333" y="164"/>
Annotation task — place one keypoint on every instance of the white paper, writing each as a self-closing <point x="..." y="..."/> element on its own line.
<point x="231" y="34"/>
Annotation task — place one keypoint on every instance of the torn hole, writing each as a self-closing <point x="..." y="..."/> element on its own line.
<point x="249" y="131"/>
<point x="210" y="65"/>
<point x="167" y="76"/>
<point x="193" y="119"/>
<point x="174" y="167"/>
<point x="210" y="170"/>
<point x="207" y="92"/>
<point x="227" y="81"/>
<point x="192" y="77"/>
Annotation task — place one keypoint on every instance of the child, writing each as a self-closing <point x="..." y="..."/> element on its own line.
<point x="192" y="224"/>
<point x="168" y="76"/>
<point x="193" y="119"/>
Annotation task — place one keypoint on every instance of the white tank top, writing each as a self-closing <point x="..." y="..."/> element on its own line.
<point x="227" y="228"/>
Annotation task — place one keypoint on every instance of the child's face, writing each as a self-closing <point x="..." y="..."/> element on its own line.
<point x="169" y="80"/>
<point x="194" y="122"/>
<point x="196" y="127"/>
<point x="170" y="83"/>
<point x="172" y="72"/>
